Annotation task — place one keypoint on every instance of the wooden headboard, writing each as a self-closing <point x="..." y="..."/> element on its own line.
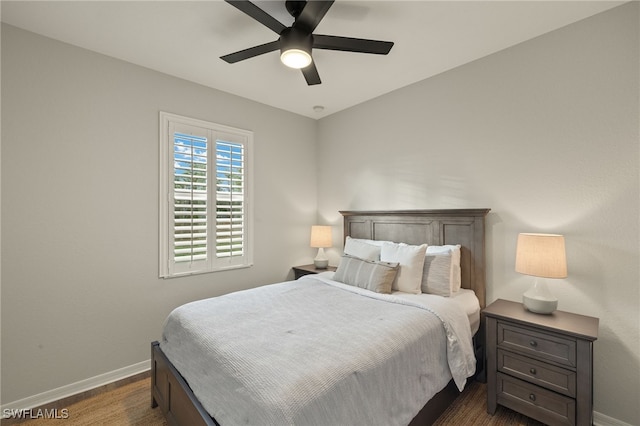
<point x="434" y="227"/>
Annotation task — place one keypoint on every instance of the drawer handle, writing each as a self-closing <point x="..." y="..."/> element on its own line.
<point x="532" y="397"/>
<point x="533" y="343"/>
<point x="532" y="371"/>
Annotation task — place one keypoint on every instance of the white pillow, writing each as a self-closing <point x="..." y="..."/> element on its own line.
<point x="441" y="273"/>
<point x="363" y="249"/>
<point x="411" y="260"/>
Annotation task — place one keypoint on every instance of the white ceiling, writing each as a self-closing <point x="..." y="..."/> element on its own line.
<point x="186" y="38"/>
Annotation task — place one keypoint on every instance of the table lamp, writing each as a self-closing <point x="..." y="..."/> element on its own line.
<point x="542" y="256"/>
<point x="321" y="239"/>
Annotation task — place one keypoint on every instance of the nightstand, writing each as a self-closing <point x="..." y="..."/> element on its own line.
<point x="299" y="271"/>
<point x="540" y="365"/>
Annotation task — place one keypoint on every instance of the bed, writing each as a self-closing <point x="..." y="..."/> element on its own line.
<point x="177" y="400"/>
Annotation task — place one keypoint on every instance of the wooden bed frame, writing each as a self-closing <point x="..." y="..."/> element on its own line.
<point x="466" y="227"/>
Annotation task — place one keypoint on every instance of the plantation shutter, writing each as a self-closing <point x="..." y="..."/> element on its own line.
<point x="230" y="199"/>
<point x="204" y="219"/>
<point x="190" y="198"/>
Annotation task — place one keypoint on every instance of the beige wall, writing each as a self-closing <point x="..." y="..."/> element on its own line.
<point x="80" y="288"/>
<point x="546" y="135"/>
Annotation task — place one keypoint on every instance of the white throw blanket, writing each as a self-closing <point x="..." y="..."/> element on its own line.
<point x="317" y="352"/>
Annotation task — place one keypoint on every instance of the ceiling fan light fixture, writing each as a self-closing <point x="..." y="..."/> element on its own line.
<point x="295" y="48"/>
<point x="295" y="58"/>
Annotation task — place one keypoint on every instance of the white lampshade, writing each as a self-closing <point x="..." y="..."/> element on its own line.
<point x="542" y="256"/>
<point x="320" y="236"/>
<point x="321" y="239"/>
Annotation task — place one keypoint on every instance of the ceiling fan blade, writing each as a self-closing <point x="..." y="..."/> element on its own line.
<point x="311" y="74"/>
<point x="232" y="58"/>
<point x="312" y="14"/>
<point x="349" y="44"/>
<point x="258" y="14"/>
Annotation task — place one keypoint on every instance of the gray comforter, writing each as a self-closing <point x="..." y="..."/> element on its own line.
<point x="317" y="352"/>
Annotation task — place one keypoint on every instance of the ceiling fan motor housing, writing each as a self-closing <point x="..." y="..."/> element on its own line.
<point x="294" y="38"/>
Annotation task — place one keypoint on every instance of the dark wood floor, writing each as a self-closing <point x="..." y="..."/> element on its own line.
<point x="130" y="405"/>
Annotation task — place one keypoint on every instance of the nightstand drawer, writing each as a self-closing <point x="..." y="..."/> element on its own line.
<point x="541" y="345"/>
<point x="536" y="402"/>
<point x="546" y="375"/>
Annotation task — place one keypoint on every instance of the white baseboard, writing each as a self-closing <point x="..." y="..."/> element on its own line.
<point x="76" y="388"/>
<point x="600" y="419"/>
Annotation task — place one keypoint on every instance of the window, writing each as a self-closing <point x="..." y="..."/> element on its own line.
<point x="205" y="188"/>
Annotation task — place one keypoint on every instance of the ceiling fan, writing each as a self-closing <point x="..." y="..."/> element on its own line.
<point x="296" y="42"/>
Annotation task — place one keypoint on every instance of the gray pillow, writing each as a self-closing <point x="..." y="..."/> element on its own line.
<point x="372" y="275"/>
<point x="436" y="275"/>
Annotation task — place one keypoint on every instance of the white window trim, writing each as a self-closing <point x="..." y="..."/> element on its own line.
<point x="165" y="199"/>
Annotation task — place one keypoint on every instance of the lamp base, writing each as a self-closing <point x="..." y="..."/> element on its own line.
<point x="321" y="261"/>
<point x="539" y="306"/>
<point x="539" y="299"/>
<point x="321" y="264"/>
